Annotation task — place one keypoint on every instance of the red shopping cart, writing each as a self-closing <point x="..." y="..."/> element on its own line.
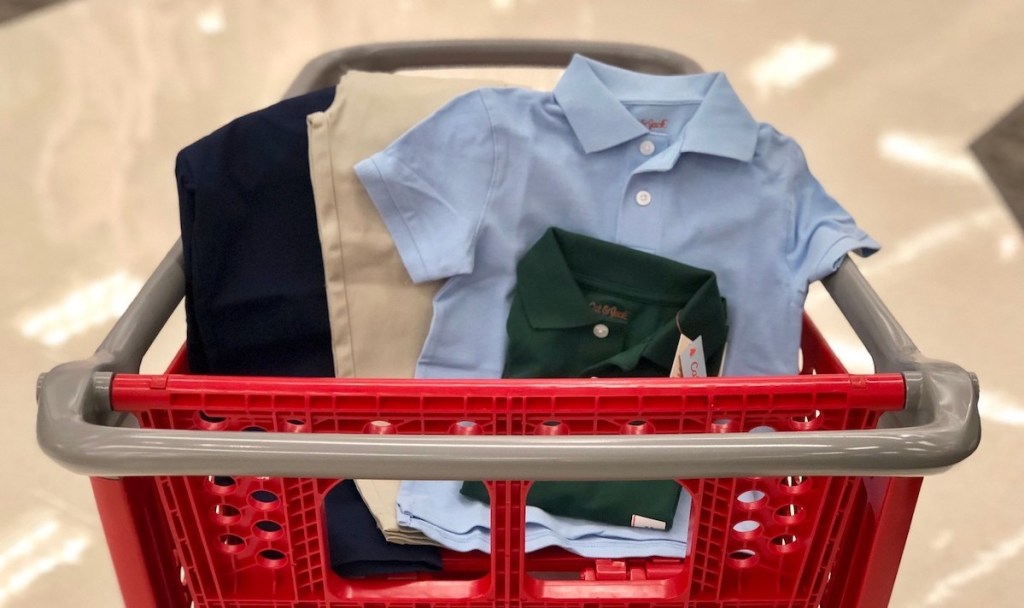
<point x="198" y="513"/>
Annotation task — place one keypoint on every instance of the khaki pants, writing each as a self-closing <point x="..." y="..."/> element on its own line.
<point x="379" y="318"/>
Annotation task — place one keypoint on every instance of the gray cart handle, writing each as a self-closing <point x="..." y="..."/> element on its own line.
<point x="327" y="69"/>
<point x="938" y="427"/>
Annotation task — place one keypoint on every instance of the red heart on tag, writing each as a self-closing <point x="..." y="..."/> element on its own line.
<point x="693" y="351"/>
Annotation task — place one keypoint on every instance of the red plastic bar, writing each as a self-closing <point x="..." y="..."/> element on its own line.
<point x="363" y="397"/>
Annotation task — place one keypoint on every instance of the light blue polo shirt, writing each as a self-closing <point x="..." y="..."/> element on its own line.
<point x="671" y="165"/>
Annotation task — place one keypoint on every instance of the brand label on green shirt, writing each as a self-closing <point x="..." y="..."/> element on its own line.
<point x="610" y="311"/>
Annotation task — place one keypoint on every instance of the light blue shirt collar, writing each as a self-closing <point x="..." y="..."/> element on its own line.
<point x="589" y="93"/>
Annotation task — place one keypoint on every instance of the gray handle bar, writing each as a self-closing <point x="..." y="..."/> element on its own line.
<point x="938" y="427"/>
<point x="327" y="69"/>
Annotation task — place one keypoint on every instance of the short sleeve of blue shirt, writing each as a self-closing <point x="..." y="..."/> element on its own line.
<point x="432" y="186"/>
<point x="821" y="231"/>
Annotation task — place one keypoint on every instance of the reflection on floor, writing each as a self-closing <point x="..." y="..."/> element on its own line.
<point x="10" y="9"/>
<point x="1000" y="150"/>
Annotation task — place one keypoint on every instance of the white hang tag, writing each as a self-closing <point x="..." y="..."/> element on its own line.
<point x="677" y="369"/>
<point x="692" y="362"/>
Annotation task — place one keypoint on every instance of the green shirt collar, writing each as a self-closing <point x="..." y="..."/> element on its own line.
<point x="549" y="273"/>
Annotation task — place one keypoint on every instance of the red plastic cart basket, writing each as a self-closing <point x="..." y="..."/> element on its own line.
<point x="199" y="513"/>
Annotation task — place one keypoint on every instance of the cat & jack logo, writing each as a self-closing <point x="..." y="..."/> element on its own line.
<point x="610" y="311"/>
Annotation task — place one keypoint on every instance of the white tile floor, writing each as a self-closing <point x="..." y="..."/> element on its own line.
<point x="97" y="96"/>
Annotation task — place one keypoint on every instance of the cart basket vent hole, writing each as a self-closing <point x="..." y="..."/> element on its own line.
<point x="231" y="543"/>
<point x="552" y="427"/>
<point x="264" y="500"/>
<point x="795" y="484"/>
<point x="785" y="543"/>
<point x="379" y="427"/>
<point x="271" y="558"/>
<point x="752" y="499"/>
<point x="747" y="529"/>
<point x="268" y="530"/>
<point x="226" y="514"/>
<point x="743" y="558"/>
<point x="638" y="427"/>
<point x="221" y="484"/>
<point x="807" y="422"/>
<point x="465" y="427"/>
<point x="789" y="514"/>
<point x="210" y="422"/>
<point x="254" y="429"/>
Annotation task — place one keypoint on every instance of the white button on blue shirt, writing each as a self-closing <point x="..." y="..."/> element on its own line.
<point x="465" y="193"/>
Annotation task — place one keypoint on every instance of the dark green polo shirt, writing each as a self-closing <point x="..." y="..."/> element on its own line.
<point x="583" y="307"/>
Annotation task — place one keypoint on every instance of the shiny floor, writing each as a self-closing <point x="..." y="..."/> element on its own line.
<point x="96" y="96"/>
